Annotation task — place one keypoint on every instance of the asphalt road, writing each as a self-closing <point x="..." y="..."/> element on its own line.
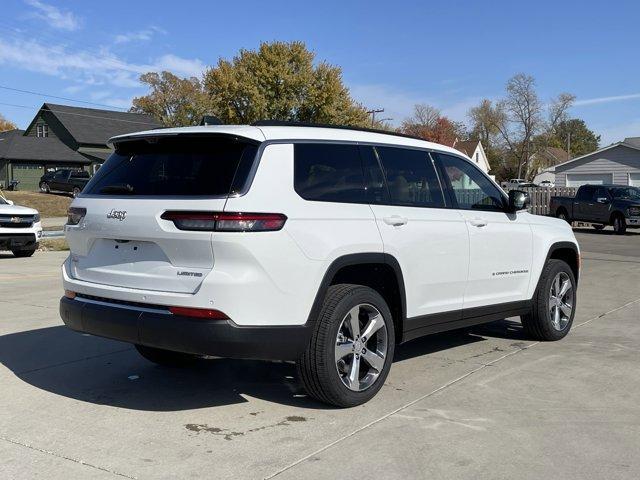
<point x="488" y="403"/>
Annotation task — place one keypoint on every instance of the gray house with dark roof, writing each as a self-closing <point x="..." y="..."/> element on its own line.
<point x="61" y="136"/>
<point x="618" y="163"/>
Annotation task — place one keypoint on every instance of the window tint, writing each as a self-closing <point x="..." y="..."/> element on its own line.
<point x="585" y="193"/>
<point x="471" y="189"/>
<point x="375" y="188"/>
<point x="411" y="178"/>
<point x="173" y="166"/>
<point x="626" y="193"/>
<point x="600" y="192"/>
<point x="328" y="172"/>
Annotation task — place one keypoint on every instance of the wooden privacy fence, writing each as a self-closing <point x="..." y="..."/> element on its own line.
<point x="541" y="196"/>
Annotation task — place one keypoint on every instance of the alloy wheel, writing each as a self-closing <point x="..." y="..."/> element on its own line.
<point x="361" y="347"/>
<point x="561" y="301"/>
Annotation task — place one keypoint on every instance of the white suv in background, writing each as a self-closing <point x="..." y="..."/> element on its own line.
<point x="324" y="246"/>
<point x="20" y="228"/>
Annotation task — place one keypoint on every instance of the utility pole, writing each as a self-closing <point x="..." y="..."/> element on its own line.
<point x="569" y="146"/>
<point x="373" y="114"/>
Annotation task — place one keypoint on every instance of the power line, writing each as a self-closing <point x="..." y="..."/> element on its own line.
<point x="60" y="98"/>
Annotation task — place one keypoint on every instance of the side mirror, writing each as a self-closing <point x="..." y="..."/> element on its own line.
<point x="518" y="200"/>
<point x="10" y="202"/>
<point x="602" y="200"/>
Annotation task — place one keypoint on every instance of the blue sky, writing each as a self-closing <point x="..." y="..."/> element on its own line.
<point x="393" y="54"/>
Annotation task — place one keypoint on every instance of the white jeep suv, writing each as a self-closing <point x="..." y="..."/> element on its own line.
<point x="324" y="246"/>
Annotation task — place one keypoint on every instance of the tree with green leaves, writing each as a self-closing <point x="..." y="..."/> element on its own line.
<point x="175" y="101"/>
<point x="575" y="135"/>
<point x="279" y="81"/>
<point x="6" y="124"/>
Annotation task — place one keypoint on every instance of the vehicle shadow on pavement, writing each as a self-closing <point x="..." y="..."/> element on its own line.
<point x="106" y="372"/>
<point x="505" y="329"/>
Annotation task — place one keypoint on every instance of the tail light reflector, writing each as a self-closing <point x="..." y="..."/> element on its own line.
<point x="198" y="313"/>
<point x="75" y="215"/>
<point x="226" y="221"/>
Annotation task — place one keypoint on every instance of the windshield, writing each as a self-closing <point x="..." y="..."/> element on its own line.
<point x="625" y="193"/>
<point x="175" y="166"/>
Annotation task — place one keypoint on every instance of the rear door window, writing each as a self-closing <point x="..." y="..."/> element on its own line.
<point x="175" y="166"/>
<point x="411" y="177"/>
<point x="585" y="193"/>
<point x="328" y="172"/>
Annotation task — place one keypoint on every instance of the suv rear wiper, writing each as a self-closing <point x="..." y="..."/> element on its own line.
<point x="117" y="188"/>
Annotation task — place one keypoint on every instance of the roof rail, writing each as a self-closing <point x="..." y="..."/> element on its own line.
<point x="286" y="123"/>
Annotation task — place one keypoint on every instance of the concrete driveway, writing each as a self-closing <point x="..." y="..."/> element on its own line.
<point x="488" y="403"/>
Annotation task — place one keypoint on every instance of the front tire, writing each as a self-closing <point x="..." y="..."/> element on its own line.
<point x="23" y="253"/>
<point x="554" y="303"/>
<point x="44" y="187"/>
<point x="351" y="349"/>
<point x="598" y="227"/>
<point x="166" y="358"/>
<point x="75" y="192"/>
<point x="619" y="225"/>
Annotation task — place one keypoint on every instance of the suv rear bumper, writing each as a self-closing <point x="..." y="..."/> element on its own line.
<point x="155" y="327"/>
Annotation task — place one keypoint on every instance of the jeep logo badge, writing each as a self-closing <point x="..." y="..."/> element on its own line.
<point x="117" y="214"/>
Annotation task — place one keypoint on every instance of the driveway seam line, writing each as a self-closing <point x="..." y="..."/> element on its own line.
<point x="71" y="459"/>
<point x="399" y="409"/>
<point x="72" y="361"/>
<point x="433" y="392"/>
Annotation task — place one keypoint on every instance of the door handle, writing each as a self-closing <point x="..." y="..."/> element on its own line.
<point x="395" y="220"/>
<point x="478" y="222"/>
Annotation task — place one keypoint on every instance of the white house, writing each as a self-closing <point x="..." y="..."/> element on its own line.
<point x="548" y="174"/>
<point x="474" y="150"/>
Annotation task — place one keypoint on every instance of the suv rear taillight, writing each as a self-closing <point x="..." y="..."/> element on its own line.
<point x="226" y="221"/>
<point x="75" y="215"/>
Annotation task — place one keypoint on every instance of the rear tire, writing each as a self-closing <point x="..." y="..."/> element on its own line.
<point x="23" y="253"/>
<point x="335" y="368"/>
<point x="563" y="215"/>
<point x="619" y="224"/>
<point x="44" y="187"/>
<point x="166" y="358"/>
<point x="553" y="309"/>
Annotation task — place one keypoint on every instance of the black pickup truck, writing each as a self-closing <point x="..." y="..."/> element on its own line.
<point x="64" y="180"/>
<point x="601" y="205"/>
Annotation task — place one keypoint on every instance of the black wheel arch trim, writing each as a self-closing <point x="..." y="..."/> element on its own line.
<point x="358" y="259"/>
<point x="563" y="246"/>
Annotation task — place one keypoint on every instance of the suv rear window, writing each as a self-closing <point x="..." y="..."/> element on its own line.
<point x="175" y="166"/>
